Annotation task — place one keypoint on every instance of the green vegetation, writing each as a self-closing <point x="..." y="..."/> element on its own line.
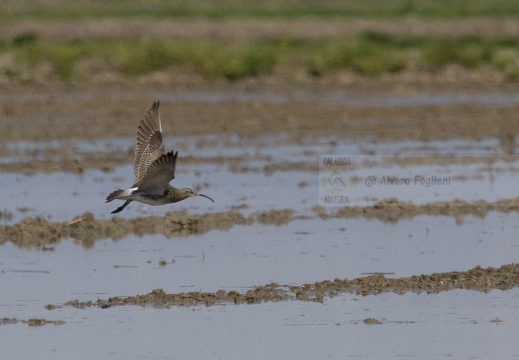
<point x="209" y="58"/>
<point x="370" y="54"/>
<point x="141" y="57"/>
<point x="65" y="9"/>
<point x="63" y="57"/>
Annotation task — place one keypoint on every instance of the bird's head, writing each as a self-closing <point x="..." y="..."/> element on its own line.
<point x="190" y="193"/>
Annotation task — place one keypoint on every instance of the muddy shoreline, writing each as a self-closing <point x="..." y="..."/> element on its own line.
<point x="503" y="278"/>
<point x="108" y="106"/>
<point x="69" y="113"/>
<point x="86" y="229"/>
<point x="92" y="112"/>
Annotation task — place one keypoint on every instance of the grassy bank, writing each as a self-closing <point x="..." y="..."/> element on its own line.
<point x="370" y="54"/>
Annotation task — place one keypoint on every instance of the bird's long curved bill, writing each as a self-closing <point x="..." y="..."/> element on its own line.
<point x="207" y="197"/>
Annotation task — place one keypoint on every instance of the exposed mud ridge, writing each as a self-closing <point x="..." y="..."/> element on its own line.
<point x="85" y="230"/>
<point x="31" y="322"/>
<point x="479" y="279"/>
<point x="393" y="210"/>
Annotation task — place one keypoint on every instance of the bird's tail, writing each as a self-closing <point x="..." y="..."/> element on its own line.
<point x="114" y="195"/>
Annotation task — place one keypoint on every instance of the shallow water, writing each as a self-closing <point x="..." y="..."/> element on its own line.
<point x="451" y="324"/>
<point x="252" y="255"/>
<point x="361" y="99"/>
<point x="459" y="324"/>
<point x="247" y="256"/>
<point x="61" y="196"/>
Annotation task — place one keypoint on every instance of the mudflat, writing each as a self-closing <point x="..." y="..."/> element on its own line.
<point x="342" y="107"/>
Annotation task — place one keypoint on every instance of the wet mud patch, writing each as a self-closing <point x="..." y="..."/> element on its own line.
<point x="479" y="279"/>
<point x="276" y="217"/>
<point x="31" y="322"/>
<point x="86" y="229"/>
<point x="394" y="210"/>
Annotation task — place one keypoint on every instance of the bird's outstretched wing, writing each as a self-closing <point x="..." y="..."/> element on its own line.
<point x="159" y="174"/>
<point x="149" y="142"/>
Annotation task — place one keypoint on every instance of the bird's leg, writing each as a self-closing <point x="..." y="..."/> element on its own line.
<point x="121" y="208"/>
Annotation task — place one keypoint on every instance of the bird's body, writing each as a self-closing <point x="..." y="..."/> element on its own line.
<point x="153" y="169"/>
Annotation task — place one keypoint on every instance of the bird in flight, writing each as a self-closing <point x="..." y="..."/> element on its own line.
<point x="153" y="169"/>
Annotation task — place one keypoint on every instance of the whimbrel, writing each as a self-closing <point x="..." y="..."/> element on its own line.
<point x="153" y="169"/>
